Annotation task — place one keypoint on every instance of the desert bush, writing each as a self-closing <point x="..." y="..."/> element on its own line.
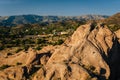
<point x="26" y="47"/>
<point x="38" y="48"/>
<point x="2" y="47"/>
<point x="40" y="41"/>
<point x="4" y="67"/>
<point x="27" y="41"/>
<point x="18" y="63"/>
<point x="60" y="41"/>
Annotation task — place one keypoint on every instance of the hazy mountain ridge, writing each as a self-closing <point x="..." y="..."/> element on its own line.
<point x="30" y="19"/>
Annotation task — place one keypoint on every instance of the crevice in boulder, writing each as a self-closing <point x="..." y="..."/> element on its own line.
<point x="25" y="74"/>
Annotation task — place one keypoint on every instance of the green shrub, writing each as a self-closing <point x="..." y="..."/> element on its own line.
<point x="38" y="48"/>
<point x="26" y="47"/>
<point x="60" y="41"/>
<point x="2" y="47"/>
<point x="18" y="63"/>
<point x="40" y="41"/>
<point x="4" y="67"/>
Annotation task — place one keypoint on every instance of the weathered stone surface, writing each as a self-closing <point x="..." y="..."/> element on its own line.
<point x="86" y="55"/>
<point x="12" y="73"/>
<point x="23" y="64"/>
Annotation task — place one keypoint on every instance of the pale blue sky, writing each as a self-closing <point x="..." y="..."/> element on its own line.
<point x="59" y="7"/>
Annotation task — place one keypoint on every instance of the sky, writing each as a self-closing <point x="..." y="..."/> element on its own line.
<point x="59" y="7"/>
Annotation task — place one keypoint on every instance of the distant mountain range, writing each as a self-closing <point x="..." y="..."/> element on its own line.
<point x="31" y="19"/>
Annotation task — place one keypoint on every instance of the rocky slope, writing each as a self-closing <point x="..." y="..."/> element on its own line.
<point x="114" y="19"/>
<point x="24" y="64"/>
<point x="113" y="22"/>
<point x="91" y="53"/>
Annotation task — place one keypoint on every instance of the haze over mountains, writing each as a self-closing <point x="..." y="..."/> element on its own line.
<point x="30" y="19"/>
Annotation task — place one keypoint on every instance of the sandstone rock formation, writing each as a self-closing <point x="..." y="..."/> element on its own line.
<point x="91" y="53"/>
<point x="23" y="64"/>
<point x="12" y="73"/>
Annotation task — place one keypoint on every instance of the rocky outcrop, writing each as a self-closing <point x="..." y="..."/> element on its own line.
<point x="12" y="73"/>
<point x="24" y="64"/>
<point x="91" y="53"/>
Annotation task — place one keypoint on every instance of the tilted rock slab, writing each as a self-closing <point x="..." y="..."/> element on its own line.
<point x="92" y="53"/>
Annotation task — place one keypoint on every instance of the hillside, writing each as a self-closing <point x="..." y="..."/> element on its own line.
<point x="114" y="19"/>
<point x="31" y="19"/>
<point x="113" y="22"/>
<point x="37" y="35"/>
<point x="91" y="53"/>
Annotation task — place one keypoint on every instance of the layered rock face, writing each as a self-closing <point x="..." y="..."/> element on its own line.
<point x="91" y="53"/>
